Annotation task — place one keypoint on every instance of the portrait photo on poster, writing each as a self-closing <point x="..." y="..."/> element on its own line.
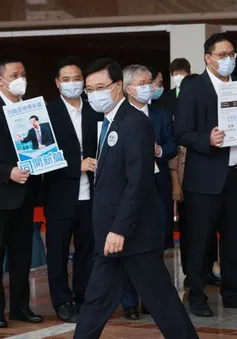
<point x="33" y="136"/>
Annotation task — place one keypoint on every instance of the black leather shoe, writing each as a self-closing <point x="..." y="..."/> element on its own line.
<point x="201" y="309"/>
<point x="3" y="323"/>
<point x="67" y="312"/>
<point x="27" y="316"/>
<point x="230" y="302"/>
<point x="212" y="280"/>
<point x="131" y="313"/>
<point x="144" y="310"/>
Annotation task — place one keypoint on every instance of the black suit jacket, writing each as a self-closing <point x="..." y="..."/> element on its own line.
<point x="47" y="137"/>
<point x="164" y="136"/>
<point x="12" y="195"/>
<point x="62" y="186"/>
<point x="168" y="101"/>
<point x="206" y="166"/>
<point x="125" y="197"/>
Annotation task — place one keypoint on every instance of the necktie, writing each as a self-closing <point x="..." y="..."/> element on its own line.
<point x="177" y="92"/>
<point x="104" y="128"/>
<point x="39" y="137"/>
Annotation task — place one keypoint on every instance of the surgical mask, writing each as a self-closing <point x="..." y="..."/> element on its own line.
<point x="144" y="93"/>
<point x="101" y="101"/>
<point x="177" y="79"/>
<point x="226" y="66"/>
<point x="72" y="89"/>
<point x="17" y="87"/>
<point x="157" y="93"/>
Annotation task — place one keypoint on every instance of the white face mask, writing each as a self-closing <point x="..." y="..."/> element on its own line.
<point x="101" y="101"/>
<point x="226" y="66"/>
<point x="144" y="93"/>
<point x="72" y="89"/>
<point x="17" y="87"/>
<point x="177" y="79"/>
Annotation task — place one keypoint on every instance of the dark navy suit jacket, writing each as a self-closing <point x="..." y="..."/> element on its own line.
<point x="164" y="136"/>
<point x="47" y="137"/>
<point x="206" y="167"/>
<point x="125" y="196"/>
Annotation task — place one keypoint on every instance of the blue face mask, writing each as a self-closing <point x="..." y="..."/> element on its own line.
<point x="226" y="66"/>
<point x="157" y="93"/>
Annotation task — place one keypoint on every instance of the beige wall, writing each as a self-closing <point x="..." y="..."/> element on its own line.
<point x="188" y="40"/>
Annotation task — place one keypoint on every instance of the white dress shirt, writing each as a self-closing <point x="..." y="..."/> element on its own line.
<point x="233" y="149"/>
<point x="76" y="118"/>
<point x="110" y="116"/>
<point x="145" y="110"/>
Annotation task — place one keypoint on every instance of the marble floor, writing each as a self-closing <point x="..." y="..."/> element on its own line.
<point x="222" y="326"/>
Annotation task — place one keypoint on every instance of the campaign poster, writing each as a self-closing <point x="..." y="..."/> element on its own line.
<point x="33" y="136"/>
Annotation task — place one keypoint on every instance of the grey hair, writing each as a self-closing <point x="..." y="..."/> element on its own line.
<point x="130" y="72"/>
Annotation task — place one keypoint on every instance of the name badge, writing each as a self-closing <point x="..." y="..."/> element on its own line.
<point x="112" y="138"/>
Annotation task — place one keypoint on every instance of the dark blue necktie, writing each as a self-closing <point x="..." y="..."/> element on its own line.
<point x="103" y="132"/>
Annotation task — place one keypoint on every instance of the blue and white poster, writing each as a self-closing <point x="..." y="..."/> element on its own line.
<point x="33" y="136"/>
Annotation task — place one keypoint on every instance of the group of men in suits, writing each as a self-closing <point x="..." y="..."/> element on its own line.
<point x="126" y="240"/>
<point x="110" y="197"/>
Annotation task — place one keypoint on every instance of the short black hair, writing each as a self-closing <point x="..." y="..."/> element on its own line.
<point x="180" y="64"/>
<point x="188" y="78"/>
<point x="114" y="70"/>
<point x="34" y="117"/>
<point x="67" y="61"/>
<point x="210" y="43"/>
<point x="8" y="60"/>
<point x="154" y="72"/>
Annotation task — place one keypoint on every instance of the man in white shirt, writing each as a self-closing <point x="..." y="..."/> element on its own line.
<point x="17" y="195"/>
<point x="69" y="191"/>
<point x="210" y="177"/>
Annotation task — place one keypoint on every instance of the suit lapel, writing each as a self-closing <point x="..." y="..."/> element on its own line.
<point x="85" y="122"/>
<point x="210" y="90"/>
<point x="150" y="113"/>
<point x="5" y="125"/>
<point x="65" y="120"/>
<point x="114" y="127"/>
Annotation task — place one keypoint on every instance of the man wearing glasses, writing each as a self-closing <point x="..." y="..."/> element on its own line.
<point x="128" y="241"/>
<point x="138" y="87"/>
<point x="210" y="177"/>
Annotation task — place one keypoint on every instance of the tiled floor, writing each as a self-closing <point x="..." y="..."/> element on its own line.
<point x="222" y="326"/>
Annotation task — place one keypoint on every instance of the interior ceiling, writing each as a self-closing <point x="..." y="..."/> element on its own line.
<point x="139" y="7"/>
<point x="50" y="10"/>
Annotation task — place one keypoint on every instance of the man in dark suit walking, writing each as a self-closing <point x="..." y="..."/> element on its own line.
<point x="40" y="134"/>
<point x="128" y="240"/>
<point x="17" y="191"/>
<point x="69" y="191"/>
<point x="210" y="177"/>
<point x="138" y="87"/>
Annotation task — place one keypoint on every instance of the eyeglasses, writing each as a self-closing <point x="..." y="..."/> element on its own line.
<point x="98" y="89"/>
<point x="222" y="56"/>
<point x="151" y="84"/>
